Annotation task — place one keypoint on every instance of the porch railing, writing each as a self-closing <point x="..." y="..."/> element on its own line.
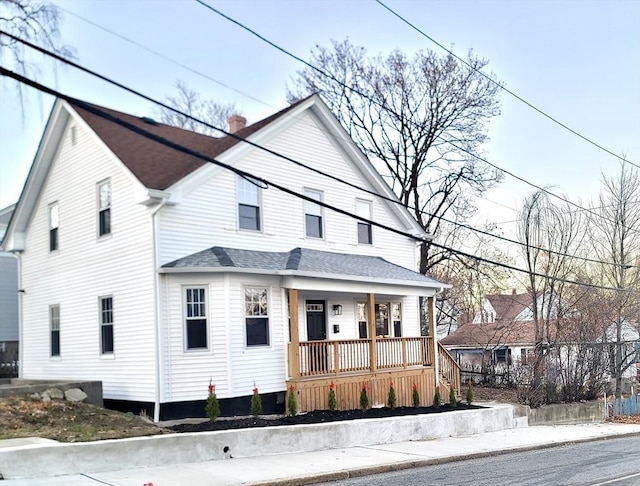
<point x="317" y="358"/>
<point x="449" y="368"/>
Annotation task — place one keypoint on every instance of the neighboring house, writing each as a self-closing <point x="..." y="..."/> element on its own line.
<point x="8" y="299"/>
<point x="505" y="307"/>
<point x="492" y="344"/>
<point x="156" y="272"/>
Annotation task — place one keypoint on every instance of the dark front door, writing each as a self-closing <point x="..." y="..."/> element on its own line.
<point x="317" y="331"/>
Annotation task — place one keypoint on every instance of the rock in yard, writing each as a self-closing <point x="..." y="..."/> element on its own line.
<point x="54" y="394"/>
<point x="75" y="395"/>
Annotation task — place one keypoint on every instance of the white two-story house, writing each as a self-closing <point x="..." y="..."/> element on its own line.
<point x="157" y="271"/>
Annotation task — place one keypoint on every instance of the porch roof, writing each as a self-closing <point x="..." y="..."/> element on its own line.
<point x="301" y="262"/>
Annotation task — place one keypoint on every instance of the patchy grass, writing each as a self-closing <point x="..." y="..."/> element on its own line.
<point x="68" y="421"/>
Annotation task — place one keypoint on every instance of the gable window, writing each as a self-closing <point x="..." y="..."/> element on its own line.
<point x="363" y="209"/>
<point x="196" y="317"/>
<point x="54" y="329"/>
<point x="106" y="325"/>
<point x="248" y="205"/>
<point x="104" y="208"/>
<point x="256" y="311"/>
<point x="54" y="221"/>
<point x="313" y="215"/>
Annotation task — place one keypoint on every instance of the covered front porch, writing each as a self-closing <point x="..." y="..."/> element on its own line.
<point x="381" y="356"/>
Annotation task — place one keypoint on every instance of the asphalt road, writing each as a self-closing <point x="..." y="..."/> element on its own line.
<point x="613" y="462"/>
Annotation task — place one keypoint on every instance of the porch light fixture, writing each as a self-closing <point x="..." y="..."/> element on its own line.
<point x="337" y="310"/>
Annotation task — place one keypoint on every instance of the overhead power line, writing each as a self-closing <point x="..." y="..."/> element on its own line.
<point x="181" y="148"/>
<point x="277" y="154"/>
<point x="384" y="107"/>
<point x="519" y="98"/>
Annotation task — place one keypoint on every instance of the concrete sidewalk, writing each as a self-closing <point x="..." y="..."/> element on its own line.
<point x="312" y="467"/>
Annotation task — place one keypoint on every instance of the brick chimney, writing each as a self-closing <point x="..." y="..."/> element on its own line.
<point x="237" y="123"/>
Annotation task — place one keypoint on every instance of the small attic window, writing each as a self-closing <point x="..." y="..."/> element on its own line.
<point x="74" y="135"/>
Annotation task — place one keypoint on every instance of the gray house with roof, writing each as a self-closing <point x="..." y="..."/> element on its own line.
<point x="153" y="260"/>
<point x="8" y="301"/>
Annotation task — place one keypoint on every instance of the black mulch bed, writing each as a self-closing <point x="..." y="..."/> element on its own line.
<point x="316" y="417"/>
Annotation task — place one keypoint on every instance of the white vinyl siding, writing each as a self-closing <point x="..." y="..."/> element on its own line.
<point x="86" y="268"/>
<point x="207" y="213"/>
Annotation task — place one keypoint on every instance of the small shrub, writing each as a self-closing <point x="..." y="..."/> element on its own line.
<point x="415" y="396"/>
<point x="212" y="407"/>
<point x="364" y="399"/>
<point x="391" y="398"/>
<point x="256" y="403"/>
<point x="437" y="400"/>
<point x="292" y="404"/>
<point x="452" y="397"/>
<point x="469" y="396"/>
<point x="332" y="397"/>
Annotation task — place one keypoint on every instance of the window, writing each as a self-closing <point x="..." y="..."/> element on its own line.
<point x="363" y="209"/>
<point x="196" y="318"/>
<point x="54" y="221"/>
<point x="74" y="135"/>
<point x="387" y="314"/>
<point x="248" y="205"/>
<point x="104" y="208"/>
<point x="54" y="325"/>
<point x="313" y="215"/>
<point x="256" y="309"/>
<point x="106" y="325"/>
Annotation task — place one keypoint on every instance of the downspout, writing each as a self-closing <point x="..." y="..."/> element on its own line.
<point x="20" y="291"/>
<point x="158" y="309"/>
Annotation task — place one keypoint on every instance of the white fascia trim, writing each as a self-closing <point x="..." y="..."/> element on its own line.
<point x="296" y="279"/>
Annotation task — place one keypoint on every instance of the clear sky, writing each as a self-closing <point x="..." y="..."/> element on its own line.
<point x="577" y="60"/>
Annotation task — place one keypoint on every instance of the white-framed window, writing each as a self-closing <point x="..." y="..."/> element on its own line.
<point x="256" y="311"/>
<point x="249" y="196"/>
<point x="104" y="208"/>
<point x="388" y="319"/>
<point x="195" y="301"/>
<point x="54" y="329"/>
<point x="54" y="223"/>
<point x="313" y="220"/>
<point x="106" y="325"/>
<point x="363" y="209"/>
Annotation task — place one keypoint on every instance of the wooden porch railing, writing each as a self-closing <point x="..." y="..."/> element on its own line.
<point x="449" y="368"/>
<point x="335" y="357"/>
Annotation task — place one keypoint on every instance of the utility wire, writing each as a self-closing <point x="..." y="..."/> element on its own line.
<point x="530" y="105"/>
<point x="181" y="148"/>
<point x="277" y="154"/>
<point x="166" y="58"/>
<point x="384" y="107"/>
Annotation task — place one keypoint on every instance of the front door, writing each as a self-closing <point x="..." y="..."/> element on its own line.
<point x="317" y="331"/>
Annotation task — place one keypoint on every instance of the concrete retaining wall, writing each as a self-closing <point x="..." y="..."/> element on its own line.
<point x="42" y="460"/>
<point x="567" y="413"/>
<point x="15" y="386"/>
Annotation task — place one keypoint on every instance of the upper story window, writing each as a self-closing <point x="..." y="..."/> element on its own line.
<point x="54" y="329"/>
<point x="363" y="209"/>
<point x="313" y="215"/>
<point x="54" y="221"/>
<point x="256" y="307"/>
<point x="104" y="208"/>
<point x="196" y="317"/>
<point x="106" y="325"/>
<point x="248" y="205"/>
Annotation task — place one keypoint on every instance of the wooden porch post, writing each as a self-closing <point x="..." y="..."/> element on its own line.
<point x="371" y="331"/>
<point x="294" y="355"/>
<point x="431" y="309"/>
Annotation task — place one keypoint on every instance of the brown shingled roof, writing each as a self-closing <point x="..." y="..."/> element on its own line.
<point x="508" y="306"/>
<point x="492" y="334"/>
<point x="154" y="164"/>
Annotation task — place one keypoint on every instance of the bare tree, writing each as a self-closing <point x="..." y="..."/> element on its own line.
<point x="423" y="119"/>
<point x="33" y="21"/>
<point x="544" y="226"/>
<point x="616" y="239"/>
<point x="189" y="101"/>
